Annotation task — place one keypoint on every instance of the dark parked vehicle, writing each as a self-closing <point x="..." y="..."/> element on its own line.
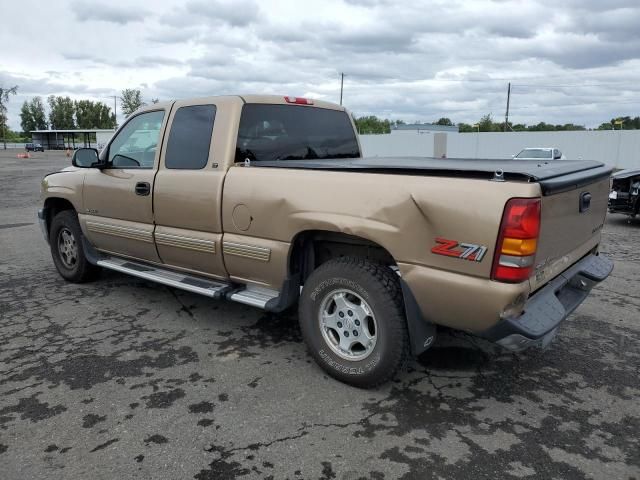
<point x="625" y="192"/>
<point x="34" y="147"/>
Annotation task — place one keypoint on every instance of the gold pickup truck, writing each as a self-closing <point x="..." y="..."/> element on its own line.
<point x="267" y="201"/>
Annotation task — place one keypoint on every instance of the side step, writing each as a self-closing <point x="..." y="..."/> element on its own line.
<point x="207" y="287"/>
<point x="254" y="296"/>
<point x="250" y="295"/>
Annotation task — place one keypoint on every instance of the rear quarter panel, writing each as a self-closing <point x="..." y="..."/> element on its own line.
<point x="402" y="213"/>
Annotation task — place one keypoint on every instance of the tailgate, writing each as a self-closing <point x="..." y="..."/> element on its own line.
<point x="570" y="227"/>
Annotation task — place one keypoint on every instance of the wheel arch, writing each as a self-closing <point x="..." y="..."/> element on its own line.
<point x="53" y="206"/>
<point x="311" y="248"/>
<point x="307" y="252"/>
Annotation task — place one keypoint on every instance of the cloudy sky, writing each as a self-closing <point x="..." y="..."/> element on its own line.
<point x="568" y="60"/>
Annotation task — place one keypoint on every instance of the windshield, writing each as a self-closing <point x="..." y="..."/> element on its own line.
<point x="288" y="132"/>
<point x="534" y="153"/>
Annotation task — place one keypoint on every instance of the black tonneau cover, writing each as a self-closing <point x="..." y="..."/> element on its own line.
<point x="626" y="173"/>
<point x="554" y="176"/>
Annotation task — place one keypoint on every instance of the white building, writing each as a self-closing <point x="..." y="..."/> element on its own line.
<point x="61" y="139"/>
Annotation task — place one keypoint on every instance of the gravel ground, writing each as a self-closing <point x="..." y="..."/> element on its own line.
<point x="121" y="378"/>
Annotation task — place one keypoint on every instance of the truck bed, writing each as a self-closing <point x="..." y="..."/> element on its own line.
<point x="553" y="176"/>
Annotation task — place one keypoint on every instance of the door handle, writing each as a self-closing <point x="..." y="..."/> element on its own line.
<point x="585" y="201"/>
<point x="143" y="188"/>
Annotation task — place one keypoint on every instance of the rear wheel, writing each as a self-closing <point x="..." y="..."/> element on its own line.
<point x="352" y="319"/>
<point x="65" y="241"/>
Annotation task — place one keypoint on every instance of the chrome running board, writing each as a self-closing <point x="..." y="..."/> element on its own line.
<point x="248" y="295"/>
<point x="254" y="296"/>
<point x="210" y="288"/>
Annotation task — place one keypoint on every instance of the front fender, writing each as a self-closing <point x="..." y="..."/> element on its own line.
<point x="65" y="185"/>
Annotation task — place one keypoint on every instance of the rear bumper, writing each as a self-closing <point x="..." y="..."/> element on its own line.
<point x="548" y="307"/>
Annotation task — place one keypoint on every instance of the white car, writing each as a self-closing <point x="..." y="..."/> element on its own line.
<point x="545" y="153"/>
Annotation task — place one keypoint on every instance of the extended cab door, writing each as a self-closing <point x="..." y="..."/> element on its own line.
<point x="118" y="216"/>
<point x="188" y="189"/>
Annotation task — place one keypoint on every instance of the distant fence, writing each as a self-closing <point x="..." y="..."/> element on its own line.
<point x="619" y="148"/>
<point x="13" y="145"/>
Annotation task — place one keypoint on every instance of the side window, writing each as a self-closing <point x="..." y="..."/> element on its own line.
<point x="190" y="137"/>
<point x="135" y="145"/>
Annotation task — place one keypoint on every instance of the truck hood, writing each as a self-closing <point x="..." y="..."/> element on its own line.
<point x="68" y="169"/>
<point x="553" y="175"/>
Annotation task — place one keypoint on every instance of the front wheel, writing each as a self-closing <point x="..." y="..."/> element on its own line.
<point x="352" y="319"/>
<point x="65" y="240"/>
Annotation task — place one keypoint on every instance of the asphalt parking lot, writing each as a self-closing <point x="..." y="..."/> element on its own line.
<point x="121" y="378"/>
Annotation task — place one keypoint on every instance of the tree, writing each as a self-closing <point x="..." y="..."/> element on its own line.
<point x="372" y="124"/>
<point x="61" y="112"/>
<point x="465" y="128"/>
<point x="486" y="124"/>
<point x="4" y="98"/>
<point x="93" y="115"/>
<point x="26" y="121"/>
<point x="32" y="115"/>
<point x="444" y="121"/>
<point x="131" y="100"/>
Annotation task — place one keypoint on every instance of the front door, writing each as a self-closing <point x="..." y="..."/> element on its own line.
<point x="118" y="200"/>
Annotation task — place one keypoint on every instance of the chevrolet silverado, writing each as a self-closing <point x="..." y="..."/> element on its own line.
<point x="267" y="201"/>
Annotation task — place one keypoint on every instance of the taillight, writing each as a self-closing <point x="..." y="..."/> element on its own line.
<point x="517" y="240"/>
<point x="298" y="100"/>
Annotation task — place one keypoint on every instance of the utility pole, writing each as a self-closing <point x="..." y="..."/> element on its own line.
<point x="115" y="112"/>
<point x="506" y="115"/>
<point x="341" y="85"/>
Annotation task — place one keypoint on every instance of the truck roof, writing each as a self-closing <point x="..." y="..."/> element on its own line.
<point x="251" y="98"/>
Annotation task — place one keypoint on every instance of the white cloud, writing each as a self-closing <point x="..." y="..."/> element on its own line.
<point x="574" y="61"/>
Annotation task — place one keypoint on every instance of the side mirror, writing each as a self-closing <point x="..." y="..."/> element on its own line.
<point x="85" y="158"/>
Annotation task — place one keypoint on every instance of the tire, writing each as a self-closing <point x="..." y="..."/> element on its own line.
<point x="65" y="241"/>
<point x="348" y="296"/>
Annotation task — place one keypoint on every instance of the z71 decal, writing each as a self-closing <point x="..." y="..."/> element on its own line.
<point x="465" y="251"/>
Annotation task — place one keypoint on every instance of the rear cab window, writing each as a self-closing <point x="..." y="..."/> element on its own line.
<point x="288" y="132"/>
<point x="190" y="137"/>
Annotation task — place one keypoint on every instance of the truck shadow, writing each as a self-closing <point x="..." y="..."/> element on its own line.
<point x="623" y="220"/>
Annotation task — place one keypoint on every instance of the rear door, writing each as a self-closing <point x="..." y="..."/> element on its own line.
<point x="118" y="216"/>
<point x="188" y="188"/>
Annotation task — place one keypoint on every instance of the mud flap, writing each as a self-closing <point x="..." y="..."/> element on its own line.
<point x="90" y="253"/>
<point x="422" y="333"/>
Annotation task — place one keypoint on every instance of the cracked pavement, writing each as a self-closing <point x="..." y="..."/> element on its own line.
<point x="121" y="378"/>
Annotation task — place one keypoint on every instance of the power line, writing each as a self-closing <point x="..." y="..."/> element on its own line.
<point x="635" y="85"/>
<point x="582" y="104"/>
<point x="510" y="79"/>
